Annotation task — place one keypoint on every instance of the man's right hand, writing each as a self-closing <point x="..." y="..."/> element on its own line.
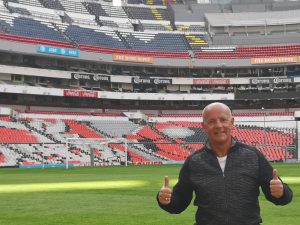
<point x="165" y="193"/>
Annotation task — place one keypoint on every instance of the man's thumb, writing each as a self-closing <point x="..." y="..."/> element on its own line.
<point x="167" y="182"/>
<point x="275" y="174"/>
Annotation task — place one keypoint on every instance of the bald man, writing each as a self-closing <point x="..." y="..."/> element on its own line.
<point x="225" y="176"/>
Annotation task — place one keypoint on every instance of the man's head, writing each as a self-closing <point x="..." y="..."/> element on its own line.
<point x="218" y="123"/>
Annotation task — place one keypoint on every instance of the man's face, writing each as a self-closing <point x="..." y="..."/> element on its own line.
<point x="218" y="124"/>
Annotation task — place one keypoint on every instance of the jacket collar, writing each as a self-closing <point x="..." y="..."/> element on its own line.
<point x="233" y="144"/>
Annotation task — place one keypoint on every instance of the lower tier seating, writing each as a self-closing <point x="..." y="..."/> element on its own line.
<point x="33" y="141"/>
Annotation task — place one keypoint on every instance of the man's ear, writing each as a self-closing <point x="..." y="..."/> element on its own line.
<point x="232" y="123"/>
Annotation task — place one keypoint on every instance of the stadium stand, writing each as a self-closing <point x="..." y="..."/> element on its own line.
<point x="170" y="140"/>
<point x="52" y="4"/>
<point x="147" y="55"/>
<point x="74" y="6"/>
<point x="148" y="13"/>
<point x="93" y="37"/>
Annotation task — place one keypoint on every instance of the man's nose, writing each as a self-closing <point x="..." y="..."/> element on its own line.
<point x="218" y="123"/>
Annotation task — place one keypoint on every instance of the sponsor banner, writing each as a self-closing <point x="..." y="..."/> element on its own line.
<point x="274" y="80"/>
<point x="81" y="94"/>
<point x="58" y="51"/>
<point x="274" y="60"/>
<point x="133" y="58"/>
<point x="155" y="81"/>
<point x="88" y="76"/>
<point x="211" y="81"/>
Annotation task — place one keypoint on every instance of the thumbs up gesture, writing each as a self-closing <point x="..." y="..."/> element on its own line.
<point x="276" y="186"/>
<point x="165" y="193"/>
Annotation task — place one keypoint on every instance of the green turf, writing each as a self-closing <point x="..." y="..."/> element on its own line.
<point x="110" y="196"/>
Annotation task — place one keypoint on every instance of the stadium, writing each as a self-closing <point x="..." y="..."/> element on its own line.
<point x="100" y="99"/>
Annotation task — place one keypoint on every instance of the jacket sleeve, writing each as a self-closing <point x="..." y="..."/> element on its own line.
<point x="182" y="193"/>
<point x="266" y="175"/>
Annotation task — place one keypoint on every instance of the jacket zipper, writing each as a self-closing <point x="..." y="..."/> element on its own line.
<point x="226" y="200"/>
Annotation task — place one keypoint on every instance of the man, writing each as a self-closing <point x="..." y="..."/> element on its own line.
<point x="225" y="176"/>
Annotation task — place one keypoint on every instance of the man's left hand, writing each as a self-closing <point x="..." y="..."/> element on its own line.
<point x="276" y="186"/>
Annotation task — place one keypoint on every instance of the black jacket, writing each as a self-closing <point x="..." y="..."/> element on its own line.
<point x="225" y="199"/>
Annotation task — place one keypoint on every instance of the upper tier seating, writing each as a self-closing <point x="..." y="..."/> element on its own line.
<point x="52" y="4"/>
<point x="157" y="45"/>
<point x="106" y="40"/>
<point x="108" y="8"/>
<point x="196" y="41"/>
<point x="95" y="9"/>
<point x="155" y="41"/>
<point x="94" y="37"/>
<point x="74" y="6"/>
<point x="144" y="13"/>
<point x="35" y="3"/>
<point x="154" y="2"/>
<point x="119" y="23"/>
<point x="157" y="26"/>
<point x="3" y="9"/>
<point x="33" y="28"/>
<point x="249" y="52"/>
<point x="78" y="18"/>
<point x="189" y="27"/>
<point x="35" y="12"/>
<point x="20" y="11"/>
<point x="29" y="30"/>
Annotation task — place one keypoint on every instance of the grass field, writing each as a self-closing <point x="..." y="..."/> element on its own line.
<point x="111" y="196"/>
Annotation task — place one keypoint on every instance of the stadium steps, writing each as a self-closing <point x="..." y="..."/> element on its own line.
<point x="123" y="39"/>
<point x="4" y="26"/>
<point x="45" y="136"/>
<point x="190" y="49"/>
<point x="156" y="14"/>
<point x="149" y="2"/>
<point x="184" y="27"/>
<point x="98" y="21"/>
<point x="52" y="4"/>
<point x="89" y="8"/>
<point x="169" y="27"/>
<point x="195" y="41"/>
<point x="152" y="156"/>
<point x="5" y="3"/>
<point x="113" y="11"/>
<point x="74" y="44"/>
